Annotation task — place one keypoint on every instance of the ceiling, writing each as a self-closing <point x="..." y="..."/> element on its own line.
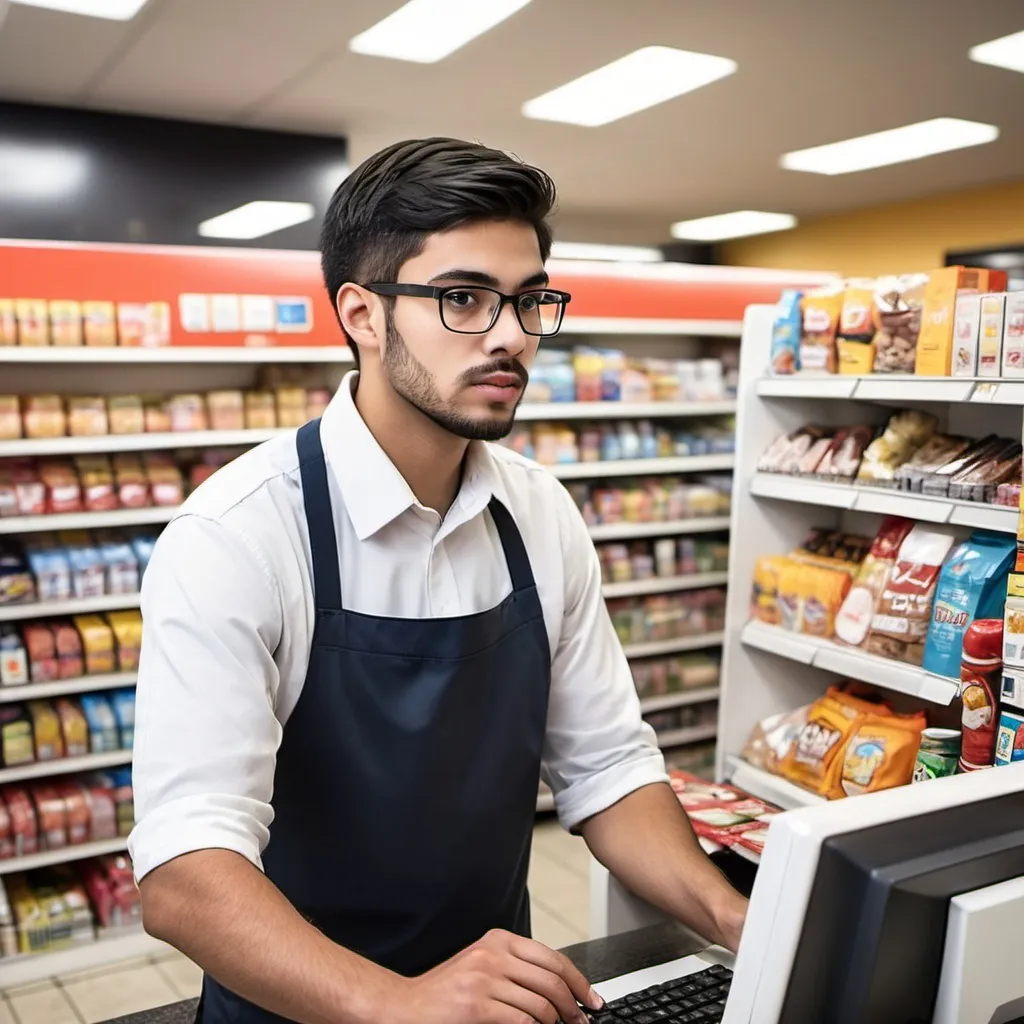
<point x="809" y="73"/>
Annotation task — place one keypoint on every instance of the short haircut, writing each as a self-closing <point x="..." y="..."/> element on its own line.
<point x="383" y="212"/>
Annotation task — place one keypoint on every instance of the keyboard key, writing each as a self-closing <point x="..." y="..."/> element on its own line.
<point x="719" y="970"/>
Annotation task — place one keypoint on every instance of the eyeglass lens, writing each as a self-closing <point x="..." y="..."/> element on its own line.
<point x="475" y="310"/>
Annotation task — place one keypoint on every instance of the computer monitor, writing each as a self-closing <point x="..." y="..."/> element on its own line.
<point x="902" y="907"/>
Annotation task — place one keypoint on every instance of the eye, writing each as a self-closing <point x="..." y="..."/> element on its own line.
<point x="460" y="299"/>
<point x="528" y="303"/>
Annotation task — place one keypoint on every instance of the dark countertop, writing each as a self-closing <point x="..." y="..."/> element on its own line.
<point x="599" y="960"/>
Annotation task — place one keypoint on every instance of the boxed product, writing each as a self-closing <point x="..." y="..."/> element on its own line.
<point x="74" y="727"/>
<point x="785" y="352"/>
<point x="97" y="642"/>
<point x="991" y="457"/>
<point x="103" y="731"/>
<point x="820" y="309"/>
<point x="1013" y="619"/>
<point x="66" y="322"/>
<point x="227" y="410"/>
<point x="881" y="752"/>
<point x="125" y="415"/>
<point x="127" y="629"/>
<point x="87" y="416"/>
<point x="10" y="418"/>
<point x="44" y="417"/>
<point x="898" y="303"/>
<point x="856" y="334"/>
<point x="24" y="828"/>
<point x="16" y="744"/>
<point x="938" y="451"/>
<point x="980" y="481"/>
<point x="44" y="667"/>
<point x="98" y="323"/>
<point x="966" y="328"/>
<point x="46" y="730"/>
<point x="904" y="611"/>
<point x="972" y="585"/>
<point x="70" y="661"/>
<point x="33" y="317"/>
<point x="1010" y="737"/>
<point x="1013" y="335"/>
<point x="13" y="657"/>
<point x="990" y="335"/>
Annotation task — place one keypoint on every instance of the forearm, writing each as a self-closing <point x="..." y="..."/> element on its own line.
<point x="224" y="914"/>
<point x="646" y="841"/>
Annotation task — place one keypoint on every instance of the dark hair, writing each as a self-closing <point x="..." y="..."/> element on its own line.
<point x="382" y="213"/>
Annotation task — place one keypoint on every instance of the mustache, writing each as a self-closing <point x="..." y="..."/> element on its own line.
<point x="480" y="373"/>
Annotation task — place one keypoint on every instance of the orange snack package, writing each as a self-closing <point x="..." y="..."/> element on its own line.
<point x="881" y="753"/>
<point x="820" y="310"/>
<point x="764" y="604"/>
<point x="822" y="593"/>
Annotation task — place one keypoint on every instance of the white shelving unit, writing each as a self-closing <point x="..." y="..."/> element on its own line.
<point x="65" y="766"/>
<point x="656" y="648"/>
<point x="138" y="442"/>
<point x="181" y="355"/>
<point x="87" y="520"/>
<point x="641" y="467"/>
<point x="665" y="584"/>
<point x="64" y="855"/>
<point x="73" y="606"/>
<point x="672" y="528"/>
<point x="558" y="411"/>
<point x="66" y="687"/>
<point x="680" y="699"/>
<point x="679" y="737"/>
<point x="765" y="669"/>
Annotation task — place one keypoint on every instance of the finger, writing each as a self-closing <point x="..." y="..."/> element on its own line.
<point x="548" y="986"/>
<point x="540" y="956"/>
<point x="530" y="1002"/>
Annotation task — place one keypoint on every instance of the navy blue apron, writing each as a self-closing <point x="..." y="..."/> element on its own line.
<point x="406" y="781"/>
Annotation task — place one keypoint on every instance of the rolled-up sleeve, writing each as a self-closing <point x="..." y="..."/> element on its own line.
<point x="206" y="734"/>
<point x="598" y="749"/>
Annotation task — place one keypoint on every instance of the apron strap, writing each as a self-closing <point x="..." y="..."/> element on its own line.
<point x="519" y="568"/>
<point x="316" y="497"/>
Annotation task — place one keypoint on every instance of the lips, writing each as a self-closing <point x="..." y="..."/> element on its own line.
<point x="501" y="380"/>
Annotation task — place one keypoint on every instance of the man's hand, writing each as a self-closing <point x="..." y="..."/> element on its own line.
<point x="502" y="979"/>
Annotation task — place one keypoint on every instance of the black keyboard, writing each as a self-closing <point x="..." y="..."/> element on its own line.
<point x="698" y="997"/>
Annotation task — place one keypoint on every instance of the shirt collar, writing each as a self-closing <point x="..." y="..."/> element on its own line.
<point x="372" y="489"/>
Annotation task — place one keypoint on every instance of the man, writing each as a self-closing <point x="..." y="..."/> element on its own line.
<point x="365" y="644"/>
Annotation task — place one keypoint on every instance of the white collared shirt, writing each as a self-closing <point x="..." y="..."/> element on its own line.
<point x="229" y="611"/>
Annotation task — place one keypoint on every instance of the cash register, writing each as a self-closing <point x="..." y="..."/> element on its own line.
<point x="902" y="907"/>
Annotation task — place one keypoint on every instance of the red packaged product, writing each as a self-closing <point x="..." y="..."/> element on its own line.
<point x="102" y="810"/>
<point x="51" y="816"/>
<point x="29" y="491"/>
<point x="76" y="804"/>
<point x="981" y="670"/>
<point x="6" y="832"/>
<point x="23" y="820"/>
<point x="111" y="886"/>
<point x="63" y="491"/>
<point x="68" y="643"/>
<point x="42" y="653"/>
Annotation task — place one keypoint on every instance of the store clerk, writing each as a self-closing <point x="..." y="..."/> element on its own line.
<point x="365" y="644"/>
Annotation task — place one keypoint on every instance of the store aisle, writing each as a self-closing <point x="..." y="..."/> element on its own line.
<point x="558" y="882"/>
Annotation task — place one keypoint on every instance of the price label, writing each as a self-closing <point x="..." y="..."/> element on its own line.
<point x="984" y="392"/>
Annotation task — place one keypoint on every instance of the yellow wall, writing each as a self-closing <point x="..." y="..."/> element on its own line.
<point x="889" y="239"/>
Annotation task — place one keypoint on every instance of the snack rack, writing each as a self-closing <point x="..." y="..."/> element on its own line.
<point x="766" y="670"/>
<point x="102" y="371"/>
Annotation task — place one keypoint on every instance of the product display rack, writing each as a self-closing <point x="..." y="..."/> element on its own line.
<point x="73" y="606"/>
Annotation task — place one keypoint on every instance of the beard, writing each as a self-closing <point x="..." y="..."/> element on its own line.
<point x="411" y="380"/>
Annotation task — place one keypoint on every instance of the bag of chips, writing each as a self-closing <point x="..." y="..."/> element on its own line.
<point x="881" y="753"/>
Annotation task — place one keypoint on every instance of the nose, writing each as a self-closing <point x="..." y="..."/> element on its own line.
<point x="507" y="335"/>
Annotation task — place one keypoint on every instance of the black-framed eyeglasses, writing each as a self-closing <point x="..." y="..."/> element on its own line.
<point x="474" y="309"/>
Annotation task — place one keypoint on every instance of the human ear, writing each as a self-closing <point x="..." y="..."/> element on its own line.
<point x="362" y="316"/>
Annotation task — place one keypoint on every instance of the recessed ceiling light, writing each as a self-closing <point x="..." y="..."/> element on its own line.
<point x="594" y="251"/>
<point x="113" y="10"/>
<point x="738" y="224"/>
<point x="1006" y="52"/>
<point x="641" y="79"/>
<point x="426" y="31"/>
<point x="253" y="220"/>
<point x="895" y="146"/>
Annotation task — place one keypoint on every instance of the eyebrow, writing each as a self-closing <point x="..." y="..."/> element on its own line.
<point x="459" y="276"/>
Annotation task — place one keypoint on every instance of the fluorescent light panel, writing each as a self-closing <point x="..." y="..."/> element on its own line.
<point x="595" y="251"/>
<point x="426" y="31"/>
<point x="639" y="80"/>
<point x="739" y="224"/>
<point x="895" y="146"/>
<point x="1005" y="52"/>
<point x="112" y="10"/>
<point x="253" y="220"/>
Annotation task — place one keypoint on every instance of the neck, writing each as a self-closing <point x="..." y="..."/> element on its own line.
<point x="428" y="456"/>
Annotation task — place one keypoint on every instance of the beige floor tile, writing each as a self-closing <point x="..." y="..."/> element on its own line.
<point x="561" y="890"/>
<point x="6" y="1017"/>
<point x="551" y="930"/>
<point x="121" y="992"/>
<point x="557" y="844"/>
<point x="41" y="1004"/>
<point x="102" y="972"/>
<point x="184" y="976"/>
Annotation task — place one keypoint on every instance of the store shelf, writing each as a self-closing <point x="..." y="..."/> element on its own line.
<point x="680" y="737"/>
<point x="137" y="442"/>
<point x="667" y="701"/>
<point x="645" y="325"/>
<point x="88" y="520"/>
<point x="557" y="411"/>
<point x="659" y="647"/>
<point x="124" y="944"/>
<point x="676" y="527"/>
<point x="895" y="389"/>
<point x="65" y="765"/>
<point x="63" y="687"/>
<point x="665" y="584"/>
<point x="772" y="788"/>
<point x="178" y="354"/>
<point x="63" y="856"/>
<point x="74" y="606"/>
<point x="642" y="467"/>
<point x="884" y="502"/>
<point x="850" y="663"/>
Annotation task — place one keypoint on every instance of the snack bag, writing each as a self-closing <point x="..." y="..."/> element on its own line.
<point x="972" y="585"/>
<point x="898" y="302"/>
<point x="786" y="334"/>
<point x="822" y="593"/>
<point x="854" y="618"/>
<point x="790" y="596"/>
<point x="46" y="730"/>
<point x="842" y="460"/>
<point x="900" y="623"/>
<point x="881" y="753"/>
<point x="764" y="597"/>
<point x="773" y="737"/>
<point x="821" y="309"/>
<point x="903" y="435"/>
<point x="856" y="334"/>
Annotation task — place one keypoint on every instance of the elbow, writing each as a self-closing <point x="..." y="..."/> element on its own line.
<point x="158" y="909"/>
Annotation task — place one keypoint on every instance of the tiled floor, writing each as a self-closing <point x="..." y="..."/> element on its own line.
<point x="558" y="883"/>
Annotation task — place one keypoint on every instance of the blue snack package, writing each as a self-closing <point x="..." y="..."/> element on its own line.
<point x="972" y="585"/>
<point x="123" y="703"/>
<point x="121" y="565"/>
<point x="103" y="731"/>
<point x="143" y="548"/>
<point x="785" y="353"/>
<point x="51" y="568"/>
